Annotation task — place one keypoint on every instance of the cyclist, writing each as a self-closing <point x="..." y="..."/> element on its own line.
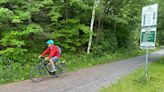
<point x="53" y="56"/>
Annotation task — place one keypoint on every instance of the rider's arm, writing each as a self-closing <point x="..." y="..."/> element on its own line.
<point x="53" y="52"/>
<point x="46" y="51"/>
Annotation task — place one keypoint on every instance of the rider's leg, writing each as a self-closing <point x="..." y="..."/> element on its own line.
<point x="49" y="66"/>
<point x="52" y="64"/>
<point x="52" y="60"/>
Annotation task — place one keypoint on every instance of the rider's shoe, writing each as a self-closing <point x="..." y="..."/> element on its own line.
<point x="53" y="70"/>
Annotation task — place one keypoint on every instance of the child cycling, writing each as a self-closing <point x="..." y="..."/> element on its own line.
<point x="53" y="56"/>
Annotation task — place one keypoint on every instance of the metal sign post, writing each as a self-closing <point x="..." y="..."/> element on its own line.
<point x="146" y="63"/>
<point x="148" y="31"/>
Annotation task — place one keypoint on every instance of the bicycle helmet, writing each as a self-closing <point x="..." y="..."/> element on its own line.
<point x="49" y="42"/>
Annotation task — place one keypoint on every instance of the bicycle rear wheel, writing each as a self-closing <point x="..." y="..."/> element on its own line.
<point x="38" y="73"/>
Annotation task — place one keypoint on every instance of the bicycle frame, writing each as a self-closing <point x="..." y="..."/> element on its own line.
<point x="43" y="62"/>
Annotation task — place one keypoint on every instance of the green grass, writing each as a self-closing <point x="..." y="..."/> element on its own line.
<point x="135" y="82"/>
<point x="14" y="73"/>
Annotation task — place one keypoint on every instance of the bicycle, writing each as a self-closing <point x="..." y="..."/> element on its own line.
<point x="39" y="72"/>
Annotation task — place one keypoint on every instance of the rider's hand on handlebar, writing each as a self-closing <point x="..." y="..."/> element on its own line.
<point x="40" y="56"/>
<point x="46" y="58"/>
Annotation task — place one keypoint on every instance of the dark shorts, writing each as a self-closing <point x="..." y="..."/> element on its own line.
<point x="55" y="58"/>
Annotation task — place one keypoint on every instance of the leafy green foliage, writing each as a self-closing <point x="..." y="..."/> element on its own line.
<point x="23" y="15"/>
<point x="106" y="45"/>
<point x="47" y="2"/>
<point x="5" y="14"/>
<point x="71" y="34"/>
<point x="54" y="13"/>
<point x="160" y="23"/>
<point x="11" y="71"/>
<point x="117" y="19"/>
<point x="15" y="40"/>
<point x="16" y="19"/>
<point x="3" y="1"/>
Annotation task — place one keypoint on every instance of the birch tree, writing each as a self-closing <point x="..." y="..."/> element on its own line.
<point x="91" y="25"/>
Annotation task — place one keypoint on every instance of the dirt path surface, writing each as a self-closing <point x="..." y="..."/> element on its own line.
<point x="85" y="80"/>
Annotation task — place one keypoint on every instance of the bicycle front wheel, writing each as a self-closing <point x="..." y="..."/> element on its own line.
<point x="38" y="73"/>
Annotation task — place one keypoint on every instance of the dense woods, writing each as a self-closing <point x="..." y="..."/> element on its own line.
<point x="25" y="26"/>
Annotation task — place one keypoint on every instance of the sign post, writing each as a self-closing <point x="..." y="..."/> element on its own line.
<point x="146" y="63"/>
<point x="148" y="31"/>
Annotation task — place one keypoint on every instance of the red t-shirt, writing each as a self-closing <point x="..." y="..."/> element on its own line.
<point x="53" y="51"/>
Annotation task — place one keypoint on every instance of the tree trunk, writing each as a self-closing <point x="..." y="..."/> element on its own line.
<point x="102" y="26"/>
<point x="100" y="23"/>
<point x="0" y="39"/>
<point x="99" y="29"/>
<point x="30" y="19"/>
<point x="91" y="27"/>
<point x="66" y="9"/>
<point x="115" y="32"/>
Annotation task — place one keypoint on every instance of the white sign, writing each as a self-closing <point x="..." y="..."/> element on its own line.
<point x="149" y="15"/>
<point x="148" y="38"/>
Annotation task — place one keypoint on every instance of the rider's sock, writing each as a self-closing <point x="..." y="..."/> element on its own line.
<point x="53" y="68"/>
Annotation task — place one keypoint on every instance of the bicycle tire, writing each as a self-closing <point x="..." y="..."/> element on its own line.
<point x="61" y="70"/>
<point x="38" y="73"/>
